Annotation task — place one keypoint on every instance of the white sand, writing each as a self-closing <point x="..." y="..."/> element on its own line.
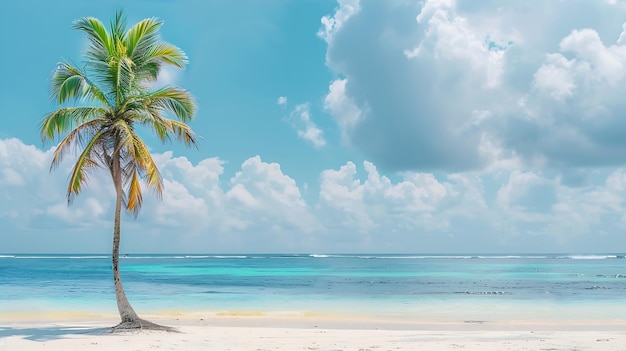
<point x="256" y="333"/>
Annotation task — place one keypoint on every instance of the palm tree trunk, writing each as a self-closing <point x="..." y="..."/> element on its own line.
<point x="130" y="319"/>
<point x="127" y="313"/>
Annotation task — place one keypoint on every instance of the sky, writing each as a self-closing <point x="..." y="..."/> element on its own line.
<point x="431" y="126"/>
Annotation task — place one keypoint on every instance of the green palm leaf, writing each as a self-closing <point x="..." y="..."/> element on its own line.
<point x="70" y="84"/>
<point x="100" y="42"/>
<point x="83" y="165"/>
<point x="76" y="139"/>
<point x="65" y="119"/>
<point x="141" y="37"/>
<point x="174" y="100"/>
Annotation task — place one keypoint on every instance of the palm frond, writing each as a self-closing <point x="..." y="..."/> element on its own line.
<point x="164" y="52"/>
<point x="125" y="77"/>
<point x="151" y="116"/>
<point x="174" y="100"/>
<point x="137" y="157"/>
<point x="142" y="36"/>
<point x="104" y="153"/>
<point x="134" y="199"/>
<point x="136" y="162"/>
<point x="148" y="72"/>
<point x="183" y="133"/>
<point x="83" y="165"/>
<point x="101" y="44"/>
<point x="148" y="169"/>
<point x="118" y="27"/>
<point x="123" y="134"/>
<point x="76" y="139"/>
<point x="154" y="121"/>
<point x="65" y="119"/>
<point x="70" y="83"/>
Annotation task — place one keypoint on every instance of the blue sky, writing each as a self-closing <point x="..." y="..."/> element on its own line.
<point x="344" y="126"/>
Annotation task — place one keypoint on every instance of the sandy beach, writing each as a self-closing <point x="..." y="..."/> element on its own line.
<point x="255" y="331"/>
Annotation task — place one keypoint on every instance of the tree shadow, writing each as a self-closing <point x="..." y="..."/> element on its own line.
<point x="51" y="333"/>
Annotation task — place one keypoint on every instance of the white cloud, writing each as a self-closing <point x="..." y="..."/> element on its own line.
<point x="195" y="202"/>
<point x="415" y="83"/>
<point x="532" y="204"/>
<point x="449" y="36"/>
<point x="556" y="77"/>
<point x="268" y="197"/>
<point x="516" y="187"/>
<point x="342" y="108"/>
<point x="606" y="62"/>
<point x="578" y="125"/>
<point x="78" y="216"/>
<point x="260" y="208"/>
<point x="431" y="7"/>
<point x="418" y="202"/>
<point x="182" y="209"/>
<point x="240" y="194"/>
<point x="332" y="24"/>
<point x="257" y="197"/>
<point x="282" y="100"/>
<point x="385" y="103"/>
<point x="300" y="120"/>
<point x="11" y="177"/>
<point x="33" y="205"/>
<point x="594" y="64"/>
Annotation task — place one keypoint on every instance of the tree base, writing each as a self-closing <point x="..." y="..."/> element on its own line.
<point x="141" y="324"/>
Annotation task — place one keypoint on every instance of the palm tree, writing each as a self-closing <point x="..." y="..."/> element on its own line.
<point x="115" y="93"/>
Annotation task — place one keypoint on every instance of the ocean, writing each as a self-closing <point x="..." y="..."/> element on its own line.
<point x="445" y="287"/>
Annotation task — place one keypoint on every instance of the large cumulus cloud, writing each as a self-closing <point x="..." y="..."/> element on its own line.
<point x="458" y="85"/>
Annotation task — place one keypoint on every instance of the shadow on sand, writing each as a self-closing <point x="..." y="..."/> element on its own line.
<point x="51" y="333"/>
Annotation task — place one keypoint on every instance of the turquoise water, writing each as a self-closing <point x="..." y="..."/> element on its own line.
<point x="394" y="286"/>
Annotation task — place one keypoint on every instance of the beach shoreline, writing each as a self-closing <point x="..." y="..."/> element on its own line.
<point x="254" y="330"/>
<point x="272" y="302"/>
<point x="455" y="317"/>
